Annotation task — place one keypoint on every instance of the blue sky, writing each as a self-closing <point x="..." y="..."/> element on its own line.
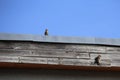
<point x="88" y="18"/>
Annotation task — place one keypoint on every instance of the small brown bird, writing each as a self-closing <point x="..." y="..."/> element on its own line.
<point x="46" y="32"/>
<point x="97" y="60"/>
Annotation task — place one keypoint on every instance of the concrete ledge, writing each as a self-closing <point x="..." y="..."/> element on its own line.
<point x="59" y="39"/>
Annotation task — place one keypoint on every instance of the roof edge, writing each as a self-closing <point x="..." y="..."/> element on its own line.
<point x="59" y="39"/>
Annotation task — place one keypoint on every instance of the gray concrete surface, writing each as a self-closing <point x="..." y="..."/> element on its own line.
<point x="59" y="39"/>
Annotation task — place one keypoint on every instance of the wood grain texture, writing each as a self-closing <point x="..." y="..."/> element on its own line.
<point x="12" y="52"/>
<point x="9" y="59"/>
<point x="74" y="62"/>
<point x="97" y="49"/>
<point x="115" y="63"/>
<point x="58" y="54"/>
<point x="36" y="60"/>
<point x="113" y="50"/>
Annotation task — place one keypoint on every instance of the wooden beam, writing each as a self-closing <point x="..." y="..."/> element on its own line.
<point x="49" y="66"/>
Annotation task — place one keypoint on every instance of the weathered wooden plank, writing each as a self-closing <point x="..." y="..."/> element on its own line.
<point x="9" y="59"/>
<point x="52" y="50"/>
<point x="113" y="50"/>
<point x="52" y="61"/>
<point x="21" y="45"/>
<point x="97" y="49"/>
<point x="5" y="45"/>
<point x="31" y="45"/>
<point x="115" y="59"/>
<point x="37" y="60"/>
<point x="81" y="62"/>
<point x="64" y="54"/>
<point x="106" y="61"/>
<point x="12" y="52"/>
<point x="61" y="54"/>
<point x="115" y="62"/>
<point x="49" y="53"/>
<point x="79" y="48"/>
<point x="115" y="56"/>
<point x="82" y="55"/>
<point x="47" y="46"/>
